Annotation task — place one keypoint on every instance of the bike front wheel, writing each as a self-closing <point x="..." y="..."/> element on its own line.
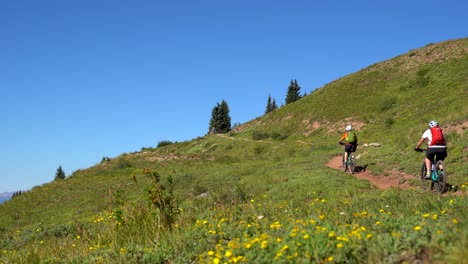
<point x="441" y="177"/>
<point x="426" y="184"/>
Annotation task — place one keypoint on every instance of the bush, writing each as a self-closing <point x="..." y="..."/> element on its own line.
<point x="164" y="143"/>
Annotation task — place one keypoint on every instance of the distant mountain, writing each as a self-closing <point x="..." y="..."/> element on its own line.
<point x="5" y="196"/>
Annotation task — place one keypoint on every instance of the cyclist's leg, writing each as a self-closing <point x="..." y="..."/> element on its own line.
<point x="440" y="154"/>
<point x="347" y="151"/>
<point x="430" y="154"/>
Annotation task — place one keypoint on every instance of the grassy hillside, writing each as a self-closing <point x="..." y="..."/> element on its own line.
<point x="262" y="192"/>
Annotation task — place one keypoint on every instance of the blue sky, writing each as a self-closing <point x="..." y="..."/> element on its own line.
<point x="84" y="79"/>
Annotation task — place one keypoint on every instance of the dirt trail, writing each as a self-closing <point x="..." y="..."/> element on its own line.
<point x="395" y="178"/>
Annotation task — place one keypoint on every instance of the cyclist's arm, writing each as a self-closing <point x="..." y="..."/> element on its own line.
<point x="419" y="143"/>
<point x="343" y="137"/>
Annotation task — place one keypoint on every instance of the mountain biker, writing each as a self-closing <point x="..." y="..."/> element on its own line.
<point x="349" y="139"/>
<point x="436" y="145"/>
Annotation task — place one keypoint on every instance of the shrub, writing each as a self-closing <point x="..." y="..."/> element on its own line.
<point x="164" y="143"/>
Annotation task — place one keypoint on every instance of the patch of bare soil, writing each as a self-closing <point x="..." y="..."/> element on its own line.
<point x="395" y="178"/>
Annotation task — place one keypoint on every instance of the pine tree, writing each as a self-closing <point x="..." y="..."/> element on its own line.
<point x="60" y="174"/>
<point x="271" y="105"/>
<point x="220" y="121"/>
<point x="293" y="92"/>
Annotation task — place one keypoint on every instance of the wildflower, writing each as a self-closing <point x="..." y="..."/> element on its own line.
<point x="425" y="215"/>
<point x="78" y="237"/>
<point x="275" y="225"/>
<point x="210" y="253"/>
<point x="321" y="217"/>
<point x="434" y="216"/>
<point x="382" y="210"/>
<point x="331" y="234"/>
<point x="339" y="245"/>
<point x="377" y="223"/>
<point x="252" y="200"/>
<point x="264" y="244"/>
<point x="363" y="228"/>
<point x="369" y="236"/>
<point x="417" y="228"/>
<point x="279" y="239"/>
<point x="228" y="253"/>
<point x="455" y="221"/>
<point x="330" y="259"/>
<point x="216" y="261"/>
<point x="306" y="236"/>
<point x="451" y="201"/>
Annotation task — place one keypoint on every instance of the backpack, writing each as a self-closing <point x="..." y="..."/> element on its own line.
<point x="351" y="137"/>
<point x="437" y="136"/>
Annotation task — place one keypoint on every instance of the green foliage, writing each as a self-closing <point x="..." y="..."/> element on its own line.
<point x="60" y="174"/>
<point x="271" y="105"/>
<point x="162" y="199"/>
<point x="220" y="121"/>
<point x="294" y="92"/>
<point x="163" y="143"/>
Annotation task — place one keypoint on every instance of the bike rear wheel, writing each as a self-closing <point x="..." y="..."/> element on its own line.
<point x="426" y="184"/>
<point x="442" y="177"/>
<point x="344" y="163"/>
<point x="352" y="163"/>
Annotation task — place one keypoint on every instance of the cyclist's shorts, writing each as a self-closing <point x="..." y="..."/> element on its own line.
<point x="438" y="153"/>
<point x="350" y="148"/>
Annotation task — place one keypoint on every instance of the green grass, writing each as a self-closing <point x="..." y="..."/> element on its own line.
<point x="262" y="193"/>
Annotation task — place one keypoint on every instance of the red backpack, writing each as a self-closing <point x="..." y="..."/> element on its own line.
<point x="437" y="136"/>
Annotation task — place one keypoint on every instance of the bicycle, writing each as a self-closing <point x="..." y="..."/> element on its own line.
<point x="438" y="178"/>
<point x="350" y="163"/>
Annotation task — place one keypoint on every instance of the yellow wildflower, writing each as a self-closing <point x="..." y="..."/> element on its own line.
<point x="417" y="228"/>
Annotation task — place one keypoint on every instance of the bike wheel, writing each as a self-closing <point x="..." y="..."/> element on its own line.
<point x="442" y="177"/>
<point x="352" y="163"/>
<point x="426" y="184"/>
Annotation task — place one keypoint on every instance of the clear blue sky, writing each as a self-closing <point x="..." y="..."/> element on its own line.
<point x="84" y="79"/>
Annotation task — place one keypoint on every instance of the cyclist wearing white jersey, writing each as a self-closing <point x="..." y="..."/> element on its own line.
<point x="436" y="145"/>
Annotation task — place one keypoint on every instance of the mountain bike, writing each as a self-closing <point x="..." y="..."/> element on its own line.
<point x="438" y="178"/>
<point x="350" y="163"/>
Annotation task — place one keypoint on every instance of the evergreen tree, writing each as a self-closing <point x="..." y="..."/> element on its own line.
<point x="220" y="121"/>
<point x="293" y="92"/>
<point x="274" y="106"/>
<point x="60" y="174"/>
<point x="271" y="105"/>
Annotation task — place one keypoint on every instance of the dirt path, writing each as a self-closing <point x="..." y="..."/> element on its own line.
<point x="395" y="178"/>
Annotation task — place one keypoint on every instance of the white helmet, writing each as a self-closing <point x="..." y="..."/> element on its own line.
<point x="433" y="123"/>
<point x="349" y="127"/>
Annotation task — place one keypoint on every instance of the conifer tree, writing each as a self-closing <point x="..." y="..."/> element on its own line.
<point x="293" y="92"/>
<point x="271" y="105"/>
<point x="60" y="174"/>
<point x="220" y="121"/>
